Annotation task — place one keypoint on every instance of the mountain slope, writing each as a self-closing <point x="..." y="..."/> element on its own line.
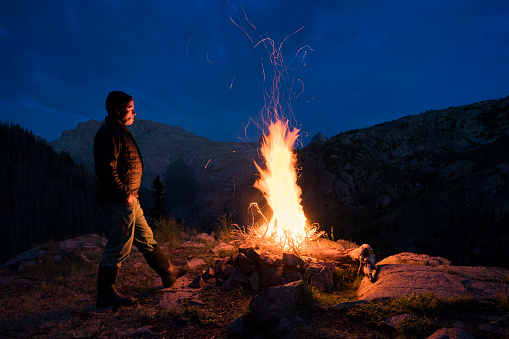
<point x="433" y="183"/>
<point x="202" y="177"/>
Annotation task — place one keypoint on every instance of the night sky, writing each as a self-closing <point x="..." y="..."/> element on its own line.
<point x="347" y="64"/>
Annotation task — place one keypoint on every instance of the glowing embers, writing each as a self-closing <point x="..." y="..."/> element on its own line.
<point x="287" y="229"/>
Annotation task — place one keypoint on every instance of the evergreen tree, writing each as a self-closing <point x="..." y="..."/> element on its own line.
<point x="158" y="210"/>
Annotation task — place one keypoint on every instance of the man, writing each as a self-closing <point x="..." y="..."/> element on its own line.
<point x="119" y="167"/>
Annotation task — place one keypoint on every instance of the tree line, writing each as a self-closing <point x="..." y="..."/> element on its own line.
<point x="44" y="196"/>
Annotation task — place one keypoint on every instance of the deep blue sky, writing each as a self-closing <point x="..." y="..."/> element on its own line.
<point x="187" y="64"/>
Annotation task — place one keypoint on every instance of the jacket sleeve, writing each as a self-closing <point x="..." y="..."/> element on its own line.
<point x="106" y="152"/>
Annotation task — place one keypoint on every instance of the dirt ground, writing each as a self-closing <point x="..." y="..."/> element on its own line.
<point x="55" y="297"/>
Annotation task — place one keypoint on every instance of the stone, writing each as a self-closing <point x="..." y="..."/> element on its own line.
<point x="248" y="269"/>
<point x="284" y="326"/>
<point x="398" y="280"/>
<point x="270" y="275"/>
<point x="294" y="276"/>
<point x="501" y="326"/>
<point x="240" y="276"/>
<point x="415" y="259"/>
<point x="290" y="259"/>
<point x="253" y="254"/>
<point x="196" y="262"/>
<point x="398" y="319"/>
<point x="226" y="272"/>
<point x="254" y="281"/>
<point x="197" y="283"/>
<point x="209" y="274"/>
<point x="311" y="271"/>
<point x="278" y="302"/>
<point x="231" y="285"/>
<point x="237" y="325"/>
<point x="451" y="333"/>
<point x="195" y="302"/>
<point x="323" y="279"/>
<point x="222" y="247"/>
<point x="242" y="259"/>
<point x="70" y="245"/>
<point x="270" y="260"/>
<point x="24" y="264"/>
<point x="218" y="267"/>
<point x="202" y="237"/>
<point x="191" y="244"/>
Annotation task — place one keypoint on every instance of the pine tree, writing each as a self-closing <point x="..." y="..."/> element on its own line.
<point x="158" y="210"/>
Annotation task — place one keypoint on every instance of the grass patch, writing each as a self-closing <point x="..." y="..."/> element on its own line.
<point x="167" y="229"/>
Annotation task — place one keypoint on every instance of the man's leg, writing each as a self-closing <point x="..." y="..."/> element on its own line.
<point x="120" y="222"/>
<point x="155" y="256"/>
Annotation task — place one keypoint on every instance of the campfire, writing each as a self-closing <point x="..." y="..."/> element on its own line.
<point x="288" y="229"/>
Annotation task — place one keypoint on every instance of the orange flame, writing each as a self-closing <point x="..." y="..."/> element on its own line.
<point x="278" y="182"/>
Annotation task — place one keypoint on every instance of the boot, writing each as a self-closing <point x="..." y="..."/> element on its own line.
<point x="169" y="273"/>
<point x="107" y="295"/>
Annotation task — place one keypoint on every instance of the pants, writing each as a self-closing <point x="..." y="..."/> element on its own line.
<point x="125" y="226"/>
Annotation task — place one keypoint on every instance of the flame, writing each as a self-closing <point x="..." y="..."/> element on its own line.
<point x="287" y="228"/>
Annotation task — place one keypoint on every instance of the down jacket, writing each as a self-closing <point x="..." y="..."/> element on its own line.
<point x="118" y="163"/>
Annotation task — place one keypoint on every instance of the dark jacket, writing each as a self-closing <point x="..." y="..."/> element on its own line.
<point x="118" y="163"/>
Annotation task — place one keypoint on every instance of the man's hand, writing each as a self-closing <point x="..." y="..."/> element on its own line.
<point x="130" y="199"/>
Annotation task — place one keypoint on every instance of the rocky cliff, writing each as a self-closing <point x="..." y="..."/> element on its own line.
<point x="435" y="183"/>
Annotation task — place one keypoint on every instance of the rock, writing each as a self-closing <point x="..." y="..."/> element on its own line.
<point x="192" y="244"/>
<point x="398" y="319"/>
<point x="298" y="321"/>
<point x="240" y="276"/>
<point x="501" y="326"/>
<point x="254" y="281"/>
<point x="458" y="332"/>
<point x="254" y="255"/>
<point x="294" y="276"/>
<point x="196" y="262"/>
<point x="24" y="264"/>
<point x="324" y="279"/>
<point x="268" y="259"/>
<point x="237" y="326"/>
<point x="209" y="274"/>
<point x="231" y="285"/>
<point x="242" y="259"/>
<point x="270" y="275"/>
<point x="172" y="300"/>
<point x="222" y="247"/>
<point x="399" y="280"/>
<point x="278" y="302"/>
<point x="284" y="326"/>
<point x="143" y="331"/>
<point x="290" y="259"/>
<point x="202" y="237"/>
<point x="415" y="259"/>
<point x="30" y="255"/>
<point x="70" y="245"/>
<point x="197" y="283"/>
<point x="195" y="302"/>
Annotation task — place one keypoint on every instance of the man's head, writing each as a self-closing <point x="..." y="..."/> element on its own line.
<point x="120" y="106"/>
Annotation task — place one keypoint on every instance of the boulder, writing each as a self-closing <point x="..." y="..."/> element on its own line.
<point x="399" y="280"/>
<point x="278" y="302"/>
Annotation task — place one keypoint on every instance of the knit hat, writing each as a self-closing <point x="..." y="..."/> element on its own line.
<point x="115" y="99"/>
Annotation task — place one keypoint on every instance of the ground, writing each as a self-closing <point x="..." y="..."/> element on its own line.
<point x="55" y="297"/>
